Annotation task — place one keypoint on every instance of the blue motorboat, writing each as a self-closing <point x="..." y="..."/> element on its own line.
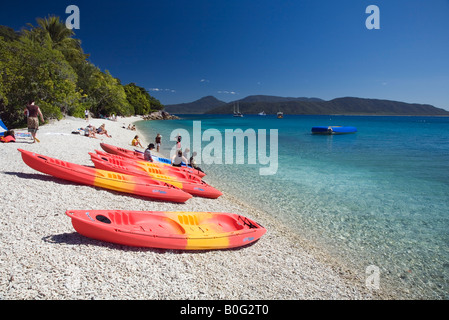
<point x="333" y="130"/>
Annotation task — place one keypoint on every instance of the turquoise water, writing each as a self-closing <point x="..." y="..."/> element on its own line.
<point x="378" y="197"/>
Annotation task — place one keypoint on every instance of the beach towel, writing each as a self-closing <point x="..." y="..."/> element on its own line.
<point x="3" y="128"/>
<point x="23" y="135"/>
<point x="8" y="139"/>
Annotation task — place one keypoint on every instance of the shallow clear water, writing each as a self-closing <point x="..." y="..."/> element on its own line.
<point x="378" y="197"/>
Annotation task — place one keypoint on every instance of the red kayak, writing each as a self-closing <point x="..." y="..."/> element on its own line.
<point x="139" y="156"/>
<point x="194" y="187"/>
<point x="137" y="185"/>
<point x="167" y="230"/>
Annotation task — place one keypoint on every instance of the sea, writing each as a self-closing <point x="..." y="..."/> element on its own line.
<point x="377" y="199"/>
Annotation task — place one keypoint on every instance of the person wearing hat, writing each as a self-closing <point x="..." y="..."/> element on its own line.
<point x="147" y="154"/>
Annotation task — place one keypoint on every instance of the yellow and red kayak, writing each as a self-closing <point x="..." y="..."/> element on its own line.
<point x="195" y="187"/>
<point x="167" y="230"/>
<point x="139" y="156"/>
<point x="164" y="167"/>
<point x="151" y="166"/>
<point x="137" y="185"/>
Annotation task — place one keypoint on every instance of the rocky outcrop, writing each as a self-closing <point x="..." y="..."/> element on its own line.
<point x="160" y="115"/>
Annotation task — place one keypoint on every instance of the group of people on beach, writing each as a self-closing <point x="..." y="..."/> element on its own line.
<point x="136" y="141"/>
<point x="179" y="158"/>
<point x="32" y="111"/>
<point x="91" y="131"/>
<point x="112" y="117"/>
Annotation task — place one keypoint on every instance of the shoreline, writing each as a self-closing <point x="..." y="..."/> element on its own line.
<point x="44" y="258"/>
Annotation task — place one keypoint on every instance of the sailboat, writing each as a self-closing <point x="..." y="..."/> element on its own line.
<point x="262" y="113"/>
<point x="237" y="114"/>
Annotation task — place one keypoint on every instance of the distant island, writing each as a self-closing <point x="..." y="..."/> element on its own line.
<point x="306" y="106"/>
<point x="200" y="106"/>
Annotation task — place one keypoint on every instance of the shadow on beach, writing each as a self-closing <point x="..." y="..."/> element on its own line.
<point x="48" y="178"/>
<point x="38" y="176"/>
<point x="77" y="239"/>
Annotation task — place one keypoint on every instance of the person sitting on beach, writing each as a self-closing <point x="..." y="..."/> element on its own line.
<point x="102" y="130"/>
<point x="136" y="142"/>
<point x="192" y="162"/>
<point x="147" y="154"/>
<point x="89" y="131"/>
<point x="178" y="159"/>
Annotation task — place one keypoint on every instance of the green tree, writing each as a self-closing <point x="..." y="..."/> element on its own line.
<point x="8" y="33"/>
<point x="155" y="103"/>
<point x="142" y="102"/>
<point x="30" y="70"/>
<point x="61" y="37"/>
<point x="138" y="99"/>
<point x="103" y="92"/>
<point x="47" y="64"/>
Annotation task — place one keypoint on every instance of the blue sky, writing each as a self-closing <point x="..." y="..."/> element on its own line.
<point x="184" y="50"/>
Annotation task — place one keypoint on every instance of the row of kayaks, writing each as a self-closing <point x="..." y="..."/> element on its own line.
<point x="124" y="176"/>
<point x="126" y="171"/>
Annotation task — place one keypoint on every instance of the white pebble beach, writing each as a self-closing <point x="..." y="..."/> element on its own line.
<point x="42" y="257"/>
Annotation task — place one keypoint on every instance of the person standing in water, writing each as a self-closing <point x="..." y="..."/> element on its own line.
<point x="158" y="141"/>
<point x="178" y="142"/>
<point x="33" y="122"/>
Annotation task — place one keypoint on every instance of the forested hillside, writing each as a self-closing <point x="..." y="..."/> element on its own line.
<point x="46" y="63"/>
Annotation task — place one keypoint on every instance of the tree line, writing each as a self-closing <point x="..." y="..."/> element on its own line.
<point x="46" y="63"/>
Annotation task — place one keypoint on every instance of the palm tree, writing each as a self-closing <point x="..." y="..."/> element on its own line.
<point x="61" y="38"/>
<point x="56" y="29"/>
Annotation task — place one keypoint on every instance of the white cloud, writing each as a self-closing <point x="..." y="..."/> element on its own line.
<point x="227" y="92"/>
<point x="204" y="80"/>
<point x="161" y="90"/>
